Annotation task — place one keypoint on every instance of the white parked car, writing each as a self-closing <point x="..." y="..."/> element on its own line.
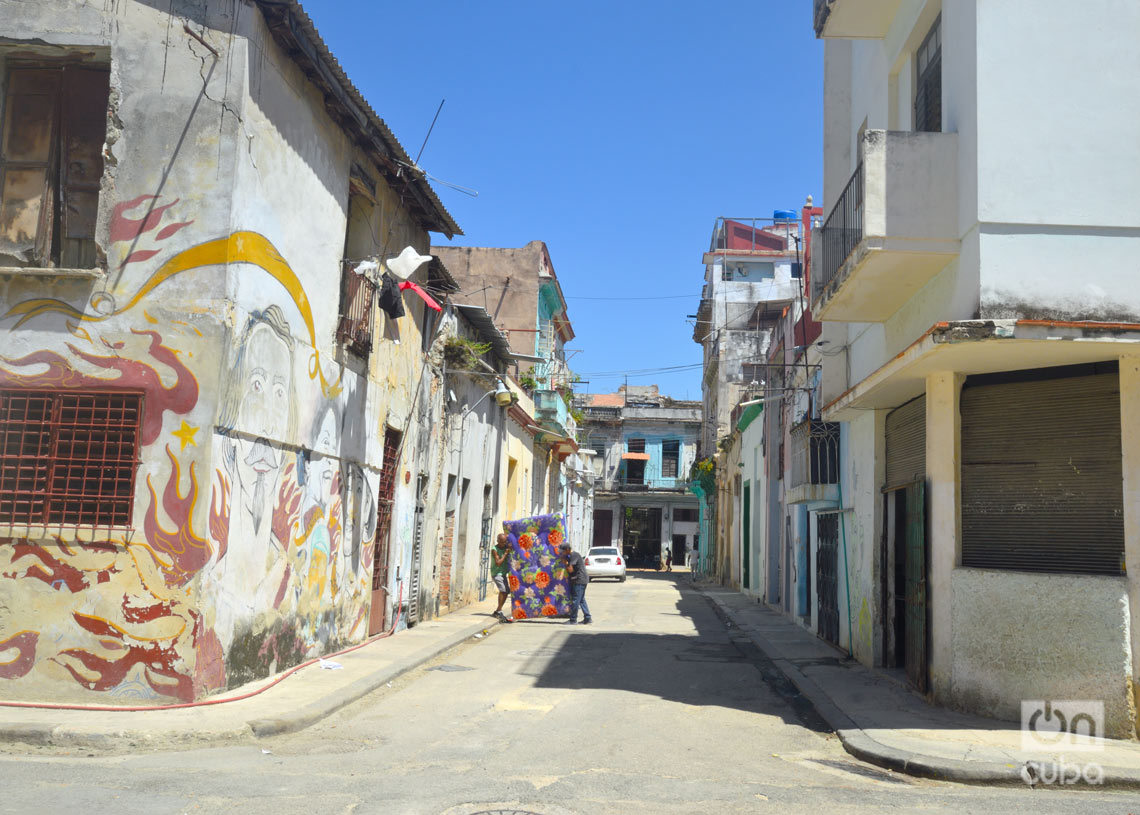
<point x="605" y="561"/>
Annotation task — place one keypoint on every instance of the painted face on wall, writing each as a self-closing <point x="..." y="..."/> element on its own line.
<point x="322" y="466"/>
<point x="263" y="384"/>
<point x="361" y="513"/>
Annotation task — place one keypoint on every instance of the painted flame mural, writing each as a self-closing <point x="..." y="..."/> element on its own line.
<point x="208" y="588"/>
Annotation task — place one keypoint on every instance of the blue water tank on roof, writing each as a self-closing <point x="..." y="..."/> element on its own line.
<point x="784" y="215"/>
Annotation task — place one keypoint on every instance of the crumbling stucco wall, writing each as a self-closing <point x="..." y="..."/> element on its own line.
<point x="222" y="219"/>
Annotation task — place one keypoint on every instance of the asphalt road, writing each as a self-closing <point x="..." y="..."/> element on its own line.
<point x="656" y="708"/>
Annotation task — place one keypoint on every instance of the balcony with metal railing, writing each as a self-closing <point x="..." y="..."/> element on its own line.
<point x="892" y="229"/>
<point x="624" y="483"/>
<point x="552" y="413"/>
<point x="814" y="460"/>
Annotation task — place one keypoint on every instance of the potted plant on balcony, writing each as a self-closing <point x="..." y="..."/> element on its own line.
<point x="527" y="381"/>
<point x="463" y="354"/>
<point x="703" y="472"/>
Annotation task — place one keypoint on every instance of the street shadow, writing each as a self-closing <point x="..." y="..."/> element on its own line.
<point x="713" y="666"/>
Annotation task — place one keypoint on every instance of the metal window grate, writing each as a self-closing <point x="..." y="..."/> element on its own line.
<point x="386" y="494"/>
<point x="815" y="453"/>
<point x="68" y="459"/>
<point x="355" y="327"/>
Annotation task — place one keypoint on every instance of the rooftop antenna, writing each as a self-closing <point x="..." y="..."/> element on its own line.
<point x="415" y="165"/>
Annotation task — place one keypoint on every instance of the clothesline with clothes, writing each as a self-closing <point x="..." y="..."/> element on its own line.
<point x="390" y="288"/>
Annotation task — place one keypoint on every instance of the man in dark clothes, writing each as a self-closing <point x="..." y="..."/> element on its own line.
<point x="578" y="582"/>
<point x="500" y="568"/>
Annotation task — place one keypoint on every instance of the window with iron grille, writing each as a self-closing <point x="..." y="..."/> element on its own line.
<point x="815" y="453"/>
<point x="357" y="292"/>
<point x="636" y="445"/>
<point x="51" y="163"/>
<point x="384" y="498"/>
<point x="685" y="515"/>
<point x="928" y="87"/>
<point x="357" y="295"/>
<point x="670" y="458"/>
<point x="68" y="458"/>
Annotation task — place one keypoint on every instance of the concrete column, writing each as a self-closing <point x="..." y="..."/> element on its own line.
<point x="1130" y="452"/>
<point x="943" y="499"/>
<point x="876" y="566"/>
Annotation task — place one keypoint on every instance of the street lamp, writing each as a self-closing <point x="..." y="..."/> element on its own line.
<point x="504" y="397"/>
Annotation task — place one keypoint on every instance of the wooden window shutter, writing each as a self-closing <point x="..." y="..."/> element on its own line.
<point x="83" y="131"/>
<point x="28" y="160"/>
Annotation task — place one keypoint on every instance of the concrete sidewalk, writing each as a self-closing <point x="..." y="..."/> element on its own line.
<point x="295" y="703"/>
<point x="881" y="721"/>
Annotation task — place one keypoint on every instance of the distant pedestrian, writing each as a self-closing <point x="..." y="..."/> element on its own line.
<point x="668" y="559"/>
<point x="578" y="582"/>
<point x="500" y="567"/>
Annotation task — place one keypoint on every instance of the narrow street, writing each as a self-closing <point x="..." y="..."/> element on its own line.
<point x="655" y="708"/>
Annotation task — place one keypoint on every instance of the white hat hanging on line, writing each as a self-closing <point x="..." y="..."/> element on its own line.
<point x="405" y="264"/>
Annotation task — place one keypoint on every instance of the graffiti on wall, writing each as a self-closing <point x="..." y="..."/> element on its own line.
<point x="209" y="587"/>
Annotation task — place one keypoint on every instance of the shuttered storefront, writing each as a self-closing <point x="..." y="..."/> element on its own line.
<point x="906" y="444"/>
<point x="1041" y="471"/>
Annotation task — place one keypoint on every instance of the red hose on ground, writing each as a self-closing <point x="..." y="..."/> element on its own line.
<point x="204" y="702"/>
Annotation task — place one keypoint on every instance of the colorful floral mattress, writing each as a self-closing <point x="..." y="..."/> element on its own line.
<point x="539" y="586"/>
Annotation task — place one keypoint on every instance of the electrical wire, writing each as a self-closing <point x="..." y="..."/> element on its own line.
<point x="658" y="297"/>
<point x="684" y="367"/>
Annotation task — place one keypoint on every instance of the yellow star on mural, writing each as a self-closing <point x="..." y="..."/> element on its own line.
<point x="185" y="434"/>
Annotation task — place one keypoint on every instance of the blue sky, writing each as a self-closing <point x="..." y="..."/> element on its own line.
<point x="616" y="132"/>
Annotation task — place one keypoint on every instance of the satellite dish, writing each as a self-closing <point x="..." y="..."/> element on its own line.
<point x="405" y="264"/>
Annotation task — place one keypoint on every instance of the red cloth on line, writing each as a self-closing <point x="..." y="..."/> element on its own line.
<point x="407" y="284"/>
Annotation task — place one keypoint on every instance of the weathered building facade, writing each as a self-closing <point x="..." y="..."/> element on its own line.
<point x="753" y="271"/>
<point x="519" y="291"/>
<point x="977" y="267"/>
<point x="754" y="279"/>
<point x="229" y="438"/>
<point x="644" y="446"/>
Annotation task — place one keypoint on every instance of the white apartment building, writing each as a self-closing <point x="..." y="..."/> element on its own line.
<point x="976" y="277"/>
<point x="752" y="273"/>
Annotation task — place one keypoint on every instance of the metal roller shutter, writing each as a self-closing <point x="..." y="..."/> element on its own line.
<point x="1041" y="475"/>
<point x="906" y="443"/>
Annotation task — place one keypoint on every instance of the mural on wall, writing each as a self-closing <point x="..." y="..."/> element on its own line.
<point x="257" y="397"/>
<point x="207" y="589"/>
<point x="538" y="579"/>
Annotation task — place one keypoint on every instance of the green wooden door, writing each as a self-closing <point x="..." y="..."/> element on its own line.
<point x="746" y="549"/>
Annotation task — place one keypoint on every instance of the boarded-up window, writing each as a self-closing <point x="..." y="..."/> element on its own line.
<point x="51" y="162"/>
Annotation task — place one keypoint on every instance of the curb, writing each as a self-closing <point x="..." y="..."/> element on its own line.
<point x="326" y="706"/>
<point x="49" y="733"/>
<point x="865" y="748"/>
